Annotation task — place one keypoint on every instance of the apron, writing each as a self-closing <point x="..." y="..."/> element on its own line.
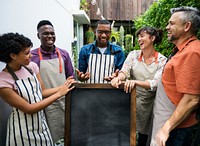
<point x="144" y="97"/>
<point x="25" y="129"/>
<point x="99" y="66"/>
<point x="163" y="109"/>
<point x="53" y="75"/>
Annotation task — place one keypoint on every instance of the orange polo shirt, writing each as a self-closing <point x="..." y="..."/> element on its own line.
<point x="181" y="74"/>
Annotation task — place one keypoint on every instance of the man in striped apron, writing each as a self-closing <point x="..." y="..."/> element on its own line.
<point x="101" y="59"/>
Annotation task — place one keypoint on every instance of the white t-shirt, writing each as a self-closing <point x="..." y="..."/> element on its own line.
<point x="102" y="50"/>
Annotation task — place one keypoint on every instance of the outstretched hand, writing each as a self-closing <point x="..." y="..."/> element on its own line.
<point x="82" y="76"/>
<point x="115" y="74"/>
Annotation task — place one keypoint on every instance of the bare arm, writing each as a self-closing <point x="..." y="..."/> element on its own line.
<point x="187" y="104"/>
<point x="13" y="99"/>
<point x="50" y="91"/>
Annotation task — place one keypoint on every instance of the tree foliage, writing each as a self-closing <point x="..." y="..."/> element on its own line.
<point x="158" y="15"/>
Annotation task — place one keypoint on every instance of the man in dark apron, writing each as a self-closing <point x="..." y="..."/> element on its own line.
<point x="101" y="59"/>
<point x="55" y="66"/>
<point x="178" y="93"/>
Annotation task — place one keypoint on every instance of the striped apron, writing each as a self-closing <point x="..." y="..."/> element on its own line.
<point x="52" y="73"/>
<point x="100" y="66"/>
<point x="25" y="129"/>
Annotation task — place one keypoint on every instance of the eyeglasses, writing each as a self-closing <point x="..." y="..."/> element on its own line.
<point x="103" y="31"/>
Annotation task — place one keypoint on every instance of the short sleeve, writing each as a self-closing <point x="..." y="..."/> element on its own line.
<point x="130" y="62"/>
<point x="34" y="67"/>
<point x="187" y="74"/>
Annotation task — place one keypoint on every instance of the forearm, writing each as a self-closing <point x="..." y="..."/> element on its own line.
<point x="35" y="107"/>
<point x="187" y="104"/>
<point x="14" y="100"/>
<point x="144" y="84"/>
<point x="49" y="92"/>
<point x="121" y="76"/>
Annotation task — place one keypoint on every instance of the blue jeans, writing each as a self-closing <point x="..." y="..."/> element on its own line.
<point x="181" y="136"/>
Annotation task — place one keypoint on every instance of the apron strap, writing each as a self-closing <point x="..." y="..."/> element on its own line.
<point x="40" y="54"/>
<point x="31" y="72"/>
<point x="59" y="57"/>
<point x="155" y="56"/>
<point x="60" y="61"/>
<point x="12" y="72"/>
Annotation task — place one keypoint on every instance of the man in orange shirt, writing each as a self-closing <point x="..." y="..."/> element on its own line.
<point x="178" y="93"/>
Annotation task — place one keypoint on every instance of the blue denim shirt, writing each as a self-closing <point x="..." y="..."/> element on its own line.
<point x="112" y="49"/>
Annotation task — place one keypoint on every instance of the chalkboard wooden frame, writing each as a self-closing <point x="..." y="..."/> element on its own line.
<point x="102" y="86"/>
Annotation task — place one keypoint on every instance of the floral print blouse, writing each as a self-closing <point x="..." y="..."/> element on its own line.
<point x="132" y="60"/>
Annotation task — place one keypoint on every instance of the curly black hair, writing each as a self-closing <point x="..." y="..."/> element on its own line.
<point x="12" y="43"/>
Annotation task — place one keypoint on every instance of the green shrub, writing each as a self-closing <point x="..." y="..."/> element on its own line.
<point x="157" y="16"/>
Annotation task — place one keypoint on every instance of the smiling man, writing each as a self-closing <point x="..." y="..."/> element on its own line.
<point x="101" y="58"/>
<point x="178" y="93"/>
<point x="55" y="66"/>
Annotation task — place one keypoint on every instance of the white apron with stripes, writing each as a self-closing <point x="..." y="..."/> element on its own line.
<point x="25" y="129"/>
<point x="100" y="66"/>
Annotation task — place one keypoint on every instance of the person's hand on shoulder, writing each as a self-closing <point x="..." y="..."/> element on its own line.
<point x="82" y="76"/>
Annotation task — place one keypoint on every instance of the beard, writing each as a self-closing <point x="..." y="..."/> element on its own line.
<point x="172" y="38"/>
<point x="101" y="43"/>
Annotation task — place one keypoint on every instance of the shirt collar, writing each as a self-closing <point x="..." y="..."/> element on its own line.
<point x="182" y="46"/>
<point x="95" y="44"/>
<point x="45" y="52"/>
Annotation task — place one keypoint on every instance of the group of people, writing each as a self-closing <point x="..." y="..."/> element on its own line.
<point x="35" y="82"/>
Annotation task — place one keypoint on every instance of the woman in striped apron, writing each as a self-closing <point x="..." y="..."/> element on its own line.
<point x="20" y="87"/>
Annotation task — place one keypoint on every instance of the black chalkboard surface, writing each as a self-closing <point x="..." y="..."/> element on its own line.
<point x="98" y="115"/>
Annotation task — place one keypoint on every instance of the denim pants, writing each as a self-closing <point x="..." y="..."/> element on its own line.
<point x="181" y="136"/>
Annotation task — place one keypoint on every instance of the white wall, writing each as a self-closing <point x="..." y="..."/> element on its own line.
<point x="2" y="65"/>
<point x="22" y="16"/>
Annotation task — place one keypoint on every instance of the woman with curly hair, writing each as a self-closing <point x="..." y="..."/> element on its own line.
<point x="21" y="87"/>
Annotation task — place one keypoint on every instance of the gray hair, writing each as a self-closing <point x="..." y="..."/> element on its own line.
<point x="190" y="14"/>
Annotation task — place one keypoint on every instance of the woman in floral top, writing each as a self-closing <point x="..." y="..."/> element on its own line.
<point x="143" y="68"/>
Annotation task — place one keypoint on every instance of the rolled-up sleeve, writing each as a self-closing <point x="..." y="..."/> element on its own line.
<point x="161" y="63"/>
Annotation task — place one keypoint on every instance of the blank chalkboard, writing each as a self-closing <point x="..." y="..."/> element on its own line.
<point x="98" y="115"/>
